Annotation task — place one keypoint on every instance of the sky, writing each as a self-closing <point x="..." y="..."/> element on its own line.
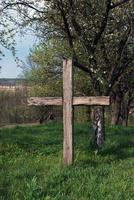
<point x="9" y="67"/>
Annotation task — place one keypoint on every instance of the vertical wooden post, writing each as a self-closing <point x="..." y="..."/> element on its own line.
<point x="67" y="113"/>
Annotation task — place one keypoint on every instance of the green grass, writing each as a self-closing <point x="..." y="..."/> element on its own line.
<point x="31" y="164"/>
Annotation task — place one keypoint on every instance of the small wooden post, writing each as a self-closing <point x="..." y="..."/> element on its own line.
<point x="67" y="113"/>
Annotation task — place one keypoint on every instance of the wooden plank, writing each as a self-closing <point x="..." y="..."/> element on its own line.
<point x="58" y="101"/>
<point x="102" y="100"/>
<point x="67" y="113"/>
<point x="39" y="101"/>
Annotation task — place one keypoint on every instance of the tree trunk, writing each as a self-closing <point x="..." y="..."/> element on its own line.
<point x="98" y="126"/>
<point x="115" y="111"/>
<point x="89" y="114"/>
<point x="125" y="119"/>
<point x="127" y="115"/>
<point x="125" y="108"/>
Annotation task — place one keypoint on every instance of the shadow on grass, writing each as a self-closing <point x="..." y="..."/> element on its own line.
<point x="49" y="139"/>
<point x="121" y="151"/>
<point x="46" y="140"/>
<point x="119" y="131"/>
<point x="119" y="146"/>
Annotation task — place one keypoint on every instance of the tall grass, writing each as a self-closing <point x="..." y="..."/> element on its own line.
<point x="31" y="164"/>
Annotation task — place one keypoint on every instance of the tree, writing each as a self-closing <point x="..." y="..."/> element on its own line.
<point x="122" y="92"/>
<point x="7" y="33"/>
<point x="123" y="98"/>
<point x="90" y="28"/>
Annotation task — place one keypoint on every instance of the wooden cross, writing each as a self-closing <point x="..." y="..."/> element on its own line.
<point x="68" y="101"/>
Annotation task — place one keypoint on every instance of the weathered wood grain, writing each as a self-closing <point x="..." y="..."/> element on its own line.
<point x="67" y="113"/>
<point x="58" y="101"/>
<point x="39" y="101"/>
<point x="100" y="100"/>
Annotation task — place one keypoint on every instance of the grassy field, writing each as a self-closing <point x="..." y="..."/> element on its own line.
<point x="31" y="164"/>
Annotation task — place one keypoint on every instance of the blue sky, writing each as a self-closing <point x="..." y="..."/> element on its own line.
<point x="9" y="67"/>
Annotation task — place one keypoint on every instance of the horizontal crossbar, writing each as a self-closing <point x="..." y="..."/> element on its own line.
<point x="58" y="101"/>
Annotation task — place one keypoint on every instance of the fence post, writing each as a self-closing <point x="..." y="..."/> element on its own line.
<point x="67" y="112"/>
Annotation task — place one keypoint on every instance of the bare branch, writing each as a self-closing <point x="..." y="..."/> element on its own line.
<point x="10" y="5"/>
<point x="123" y="42"/>
<point x="119" y="3"/>
<point x="117" y="68"/>
<point x="66" y="25"/>
<point x="109" y="6"/>
<point x="103" y="24"/>
<point x="78" y="29"/>
<point x="94" y="81"/>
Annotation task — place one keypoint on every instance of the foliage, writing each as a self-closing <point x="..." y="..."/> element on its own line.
<point x="44" y="72"/>
<point x="31" y="164"/>
<point x="96" y="33"/>
<point x="7" y="33"/>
